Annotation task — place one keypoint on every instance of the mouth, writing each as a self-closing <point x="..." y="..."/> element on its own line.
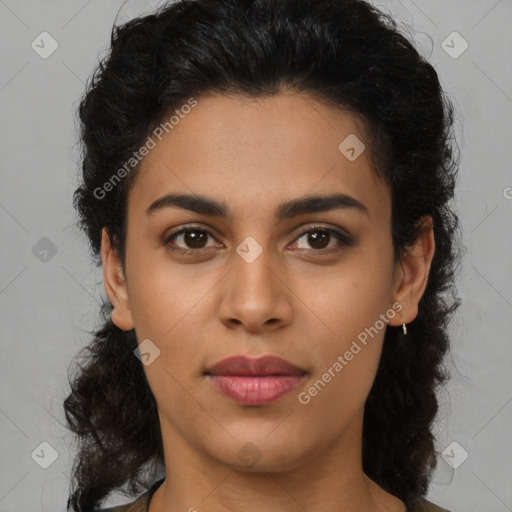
<point x="250" y="381"/>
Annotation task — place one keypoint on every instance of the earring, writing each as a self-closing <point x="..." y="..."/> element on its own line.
<point x="404" y="328"/>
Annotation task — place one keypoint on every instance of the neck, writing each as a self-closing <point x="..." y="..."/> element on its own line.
<point x="329" y="479"/>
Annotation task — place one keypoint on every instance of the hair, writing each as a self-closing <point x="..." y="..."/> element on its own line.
<point x="345" y="53"/>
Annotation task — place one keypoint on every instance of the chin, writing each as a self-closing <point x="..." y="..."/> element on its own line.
<point x="260" y="452"/>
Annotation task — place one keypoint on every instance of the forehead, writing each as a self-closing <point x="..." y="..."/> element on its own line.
<point x="258" y="152"/>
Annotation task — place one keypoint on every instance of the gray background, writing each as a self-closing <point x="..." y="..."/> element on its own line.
<point x="49" y="302"/>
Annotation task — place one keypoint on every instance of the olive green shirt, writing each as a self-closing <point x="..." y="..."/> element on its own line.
<point x="141" y="504"/>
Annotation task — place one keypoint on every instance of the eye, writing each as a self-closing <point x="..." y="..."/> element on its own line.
<point x="192" y="236"/>
<point x="319" y="237"/>
<point x="195" y="240"/>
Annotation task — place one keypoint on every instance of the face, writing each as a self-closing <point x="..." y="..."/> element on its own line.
<point x="315" y="286"/>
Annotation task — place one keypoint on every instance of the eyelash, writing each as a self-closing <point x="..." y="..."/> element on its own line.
<point x="345" y="240"/>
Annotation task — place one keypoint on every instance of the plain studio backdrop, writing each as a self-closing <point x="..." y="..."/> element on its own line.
<point x="50" y="292"/>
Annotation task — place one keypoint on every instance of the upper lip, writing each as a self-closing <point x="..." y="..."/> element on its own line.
<point x="243" y="365"/>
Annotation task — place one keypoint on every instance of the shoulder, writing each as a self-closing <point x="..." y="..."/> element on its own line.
<point x="427" y="506"/>
<point x="138" y="505"/>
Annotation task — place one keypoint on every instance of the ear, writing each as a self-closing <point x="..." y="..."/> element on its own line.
<point x="412" y="276"/>
<point x="115" y="284"/>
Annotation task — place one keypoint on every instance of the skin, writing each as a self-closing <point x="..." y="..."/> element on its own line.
<point x="255" y="154"/>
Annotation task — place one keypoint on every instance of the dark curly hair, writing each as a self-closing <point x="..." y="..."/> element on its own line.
<point x="345" y="53"/>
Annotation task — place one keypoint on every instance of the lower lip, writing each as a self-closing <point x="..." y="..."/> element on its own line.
<point x="259" y="390"/>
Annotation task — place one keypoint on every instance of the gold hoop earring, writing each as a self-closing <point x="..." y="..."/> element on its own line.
<point x="404" y="329"/>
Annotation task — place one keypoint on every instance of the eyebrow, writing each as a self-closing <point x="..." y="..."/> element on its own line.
<point x="208" y="206"/>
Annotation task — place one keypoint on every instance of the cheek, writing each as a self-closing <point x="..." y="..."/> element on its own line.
<point x="173" y="376"/>
<point x="168" y="307"/>
<point x="348" y="354"/>
<point x="344" y="305"/>
<point x="161" y="296"/>
<point x="349" y="334"/>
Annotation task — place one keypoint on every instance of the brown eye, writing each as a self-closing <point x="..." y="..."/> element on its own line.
<point x="191" y="239"/>
<point x="318" y="238"/>
<point x="194" y="238"/>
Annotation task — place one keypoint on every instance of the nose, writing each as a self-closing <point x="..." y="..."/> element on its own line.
<point x="255" y="295"/>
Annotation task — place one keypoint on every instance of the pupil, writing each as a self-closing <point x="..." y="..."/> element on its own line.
<point x="194" y="239"/>
<point x="314" y="238"/>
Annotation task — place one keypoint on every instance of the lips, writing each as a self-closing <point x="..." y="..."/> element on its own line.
<point x="263" y="366"/>
<point x="250" y="381"/>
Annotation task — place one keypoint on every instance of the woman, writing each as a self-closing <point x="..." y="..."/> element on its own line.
<point x="266" y="185"/>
